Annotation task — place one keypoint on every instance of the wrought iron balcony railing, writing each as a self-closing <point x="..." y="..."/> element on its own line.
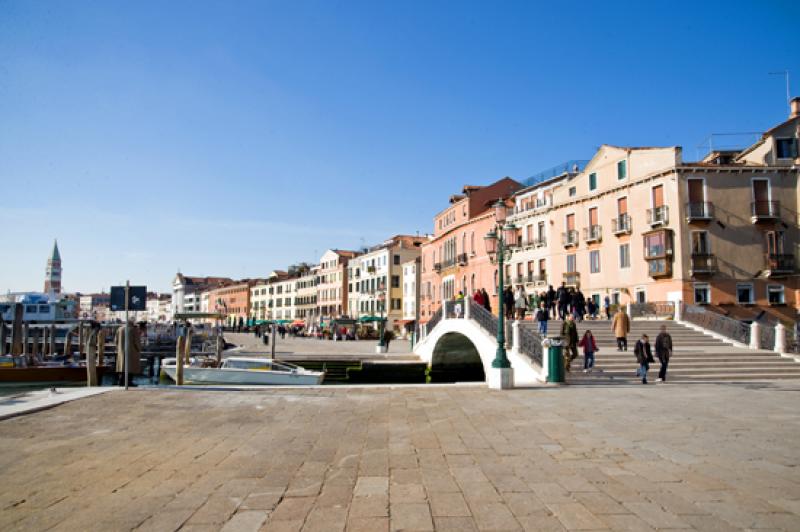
<point x="621" y="225"/>
<point x="699" y="211"/>
<point x="658" y="215"/>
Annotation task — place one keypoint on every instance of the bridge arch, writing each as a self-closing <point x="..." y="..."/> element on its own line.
<point x="456" y="359"/>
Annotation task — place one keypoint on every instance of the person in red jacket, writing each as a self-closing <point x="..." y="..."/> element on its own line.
<point x="589" y="349"/>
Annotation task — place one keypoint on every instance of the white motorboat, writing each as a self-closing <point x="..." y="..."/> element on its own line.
<point x="245" y="370"/>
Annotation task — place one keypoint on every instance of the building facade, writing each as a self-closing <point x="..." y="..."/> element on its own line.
<point x="332" y="283"/>
<point x="641" y="225"/>
<point x="232" y="301"/>
<point x="411" y="282"/>
<point x="454" y="258"/>
<point x="187" y="292"/>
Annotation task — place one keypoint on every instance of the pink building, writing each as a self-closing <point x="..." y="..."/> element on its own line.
<point x="454" y="259"/>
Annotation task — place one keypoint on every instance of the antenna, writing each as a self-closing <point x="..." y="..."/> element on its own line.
<point x="785" y="74"/>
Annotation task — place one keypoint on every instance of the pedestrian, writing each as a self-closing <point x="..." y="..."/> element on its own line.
<point x="508" y="303"/>
<point x="643" y="356"/>
<point x="387" y="338"/>
<point x="460" y="296"/>
<point x="520" y="302"/>
<point x="591" y="309"/>
<point x="478" y="297"/>
<point x="607" y="307"/>
<point x="535" y="299"/>
<point x="542" y="316"/>
<point x="563" y="301"/>
<point x="663" y="352"/>
<point x="552" y="297"/>
<point x="569" y="332"/>
<point x="487" y="303"/>
<point x="589" y="349"/>
<point x="581" y="302"/>
<point x="621" y="325"/>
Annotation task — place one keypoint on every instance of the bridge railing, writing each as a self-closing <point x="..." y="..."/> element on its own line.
<point x="653" y="309"/>
<point x="717" y="323"/>
<point x="530" y="345"/>
<point x="435" y="319"/>
<point x="485" y="319"/>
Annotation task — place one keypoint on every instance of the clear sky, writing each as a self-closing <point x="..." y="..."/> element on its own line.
<point x="233" y="138"/>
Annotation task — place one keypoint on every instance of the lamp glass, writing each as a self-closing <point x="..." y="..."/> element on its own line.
<point x="510" y="235"/>
<point x="500" y="211"/>
<point x="491" y="242"/>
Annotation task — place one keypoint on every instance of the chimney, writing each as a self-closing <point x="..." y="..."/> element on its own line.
<point x="794" y="105"/>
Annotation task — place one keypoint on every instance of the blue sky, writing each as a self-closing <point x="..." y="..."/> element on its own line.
<point x="233" y="138"/>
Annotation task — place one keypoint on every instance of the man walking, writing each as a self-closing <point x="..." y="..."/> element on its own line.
<point x="569" y="331"/>
<point x="542" y="316"/>
<point x="621" y="325"/>
<point x="663" y="352"/>
<point x="643" y="357"/>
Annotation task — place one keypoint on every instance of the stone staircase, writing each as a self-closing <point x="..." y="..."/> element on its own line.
<point x="697" y="357"/>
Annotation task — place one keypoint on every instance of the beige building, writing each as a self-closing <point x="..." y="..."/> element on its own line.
<point x="375" y="280"/>
<point x="639" y="224"/>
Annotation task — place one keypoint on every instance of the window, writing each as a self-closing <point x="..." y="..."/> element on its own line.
<point x="786" y="148"/>
<point x="571" y="264"/>
<point x="397" y="259"/>
<point x="572" y="191"/>
<point x="592" y="181"/>
<point x="594" y="261"/>
<point x="622" y="169"/>
<point x="625" y="256"/>
<point x="702" y="294"/>
<point x="657" y="244"/>
<point x="700" y="245"/>
<point x="775" y="295"/>
<point x="744" y="293"/>
<point x="641" y="295"/>
<point x="395" y="281"/>
<point x="396" y="304"/>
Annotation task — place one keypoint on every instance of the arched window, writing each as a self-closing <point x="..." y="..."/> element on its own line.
<point x="472" y="242"/>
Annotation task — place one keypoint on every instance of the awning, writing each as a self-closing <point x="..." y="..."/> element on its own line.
<point x="299" y="323"/>
<point x="370" y="319"/>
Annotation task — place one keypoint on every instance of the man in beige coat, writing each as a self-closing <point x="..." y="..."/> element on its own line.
<point x="621" y="325"/>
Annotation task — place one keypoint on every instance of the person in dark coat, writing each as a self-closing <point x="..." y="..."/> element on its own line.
<point x="508" y="303"/>
<point x="663" y="352"/>
<point x="552" y="298"/>
<point x="569" y="332"/>
<point x="643" y="356"/>
<point x="542" y="316"/>
<point x="487" y="303"/>
<point x="563" y="301"/>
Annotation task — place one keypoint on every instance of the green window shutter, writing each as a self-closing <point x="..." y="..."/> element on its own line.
<point x="592" y="181"/>
<point x="622" y="170"/>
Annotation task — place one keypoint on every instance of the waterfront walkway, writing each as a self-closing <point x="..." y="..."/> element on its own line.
<point x="301" y="348"/>
<point x="704" y="457"/>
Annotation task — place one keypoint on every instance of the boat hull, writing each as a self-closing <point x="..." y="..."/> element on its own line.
<point x="193" y="375"/>
<point x="47" y="374"/>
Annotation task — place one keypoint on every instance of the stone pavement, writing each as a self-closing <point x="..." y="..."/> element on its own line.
<point x="703" y="457"/>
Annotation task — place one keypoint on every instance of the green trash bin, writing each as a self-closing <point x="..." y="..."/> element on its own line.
<point x="555" y="360"/>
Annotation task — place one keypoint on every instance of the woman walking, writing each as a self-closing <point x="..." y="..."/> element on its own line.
<point x="643" y="356"/>
<point x="520" y="302"/>
<point x="589" y="349"/>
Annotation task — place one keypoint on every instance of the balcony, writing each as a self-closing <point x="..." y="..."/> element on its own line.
<point x="699" y="211"/>
<point x="536" y="278"/>
<point x="593" y="233"/>
<point x="370" y="269"/>
<point x="764" y="211"/>
<point x="572" y="278"/>
<point x="658" y="215"/>
<point x="702" y="264"/>
<point x="437" y="267"/>
<point x="621" y="225"/>
<point x="462" y="259"/>
<point x="539" y="242"/>
<point x="570" y="238"/>
<point x="779" y="264"/>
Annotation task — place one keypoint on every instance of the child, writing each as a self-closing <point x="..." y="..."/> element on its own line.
<point x="589" y="349"/>
<point x="542" y="315"/>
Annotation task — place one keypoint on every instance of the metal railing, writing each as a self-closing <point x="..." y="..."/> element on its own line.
<point x="658" y="215"/>
<point x="573" y="166"/>
<point x="435" y="319"/>
<point x="462" y="259"/>
<point x="699" y="210"/>
<point x="766" y="335"/>
<point x="485" y="319"/>
<point x="572" y="278"/>
<point x="454" y="308"/>
<point x="722" y="325"/>
<point x="621" y="224"/>
<point x="593" y="233"/>
<point x="780" y="262"/>
<point x="570" y="238"/>
<point x="653" y="309"/>
<point x="530" y="345"/>
<point x="763" y="209"/>
<point x="703" y="263"/>
<point x="539" y="242"/>
<point x="437" y="266"/>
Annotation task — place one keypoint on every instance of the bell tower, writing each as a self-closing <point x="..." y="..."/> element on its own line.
<point x="52" y="281"/>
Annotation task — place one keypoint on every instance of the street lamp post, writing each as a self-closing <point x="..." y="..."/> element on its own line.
<point x="500" y="240"/>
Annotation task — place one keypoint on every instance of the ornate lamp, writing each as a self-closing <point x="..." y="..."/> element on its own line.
<point x="491" y="242"/>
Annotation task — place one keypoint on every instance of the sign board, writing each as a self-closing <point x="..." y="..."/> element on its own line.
<point x="137" y="298"/>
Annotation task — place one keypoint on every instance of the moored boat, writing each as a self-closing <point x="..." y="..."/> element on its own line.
<point x="246" y="371"/>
